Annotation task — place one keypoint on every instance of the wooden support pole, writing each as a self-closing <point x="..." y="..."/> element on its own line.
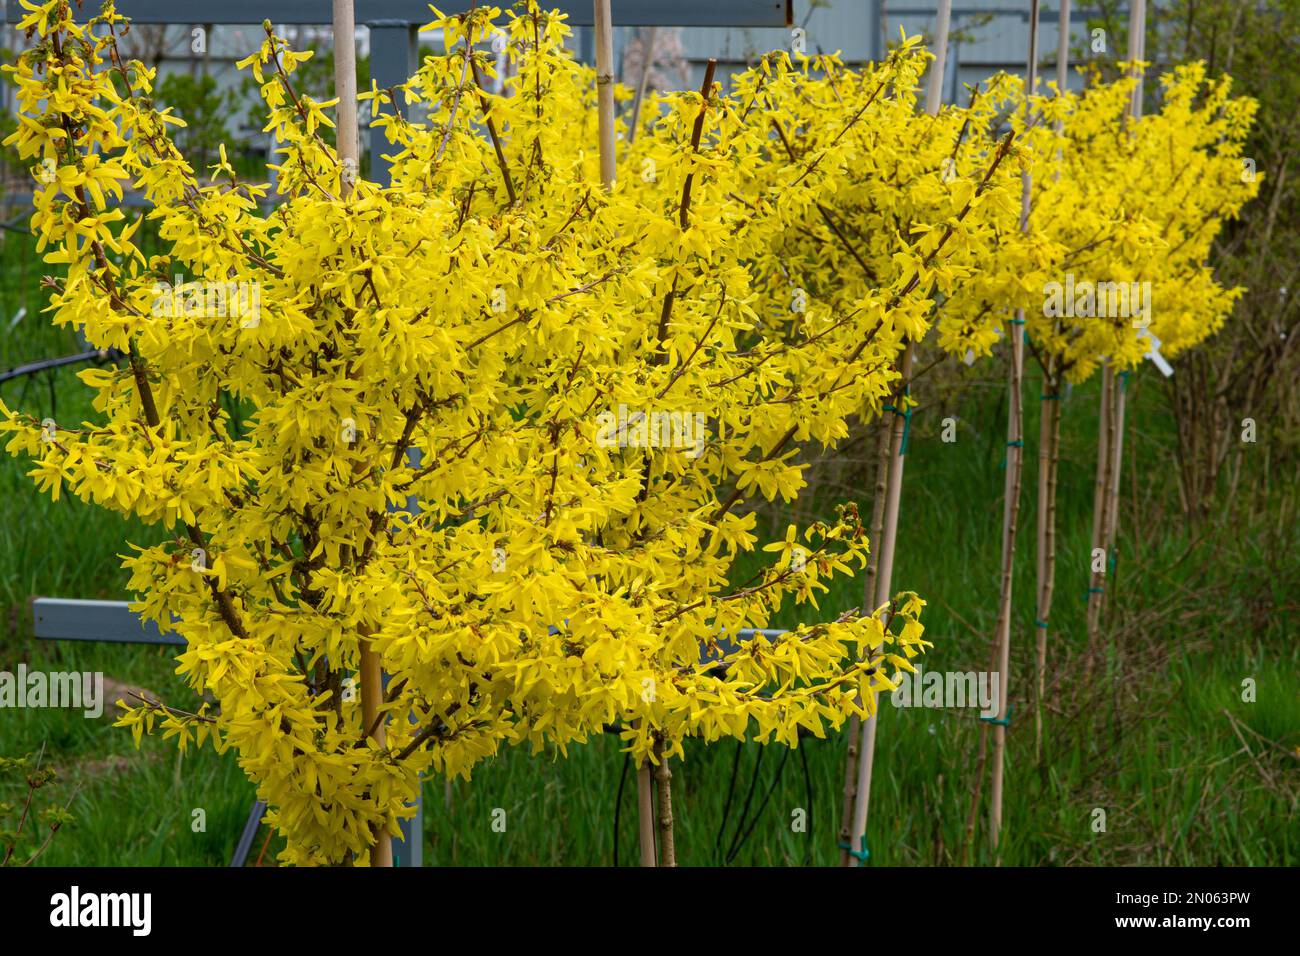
<point x="1100" y="497"/>
<point x="1117" y="393"/>
<point x="349" y="154"/>
<point x="1114" y="400"/>
<point x="1011" y="489"/>
<point x="1136" y="51"/>
<point x="645" y="813"/>
<point x="604" y="30"/>
<point x="887" y="540"/>
<point x="884" y="429"/>
<point x="1049" y="436"/>
<point x="345" y="88"/>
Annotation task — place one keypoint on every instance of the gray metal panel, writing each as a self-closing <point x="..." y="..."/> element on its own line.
<point x="393" y="59"/>
<point x="634" y="13"/>
<point x="856" y="29"/>
<point x="251" y="825"/>
<point x="71" y="619"/>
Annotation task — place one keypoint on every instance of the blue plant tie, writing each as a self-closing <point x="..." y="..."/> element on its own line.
<point x="1040" y="623"/>
<point x="1050" y="397"/>
<point x="1094" y="591"/>
<point x="860" y="855"/>
<point x="1001" y="721"/>
<point x="907" y="426"/>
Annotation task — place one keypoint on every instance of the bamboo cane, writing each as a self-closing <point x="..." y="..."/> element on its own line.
<point x="1049" y="434"/>
<point x="1011" y="507"/>
<point x="1114" y="399"/>
<point x="645" y="815"/>
<point x="885" y="530"/>
<point x="349" y="153"/>
<point x="1136" y="51"/>
<point x="883" y="447"/>
<point x="604" y="31"/>
<point x="345" y="88"/>
<point x="1100" y="496"/>
<point x="894" y="488"/>
<point x="1117" y="396"/>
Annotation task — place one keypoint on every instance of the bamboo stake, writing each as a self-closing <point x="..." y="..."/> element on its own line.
<point x="1119" y="387"/>
<point x="1100" y="495"/>
<point x="1011" y="507"/>
<point x="349" y="153"/>
<point x="1049" y="438"/>
<point x="894" y="488"/>
<point x="851" y="763"/>
<point x="645" y="815"/>
<point x="934" y="87"/>
<point x="1116" y="458"/>
<point x="1136" y="51"/>
<point x="1114" y="398"/>
<point x="1049" y="435"/>
<point x="345" y="88"/>
<point x="604" y="30"/>
<point x="884" y="581"/>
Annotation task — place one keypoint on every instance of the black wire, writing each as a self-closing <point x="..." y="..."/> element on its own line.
<point x="31" y="368"/>
<point x="749" y="797"/>
<point x="726" y="808"/>
<point x="808" y="793"/>
<point x="618" y="802"/>
<point x="22" y="398"/>
<point x="776" y="778"/>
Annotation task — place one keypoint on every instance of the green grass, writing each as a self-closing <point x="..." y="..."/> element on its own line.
<point x="1160" y="739"/>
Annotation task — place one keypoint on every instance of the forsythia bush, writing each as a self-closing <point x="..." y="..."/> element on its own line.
<point x="579" y="389"/>
<point x="859" y="193"/>
<point x="1119" y="202"/>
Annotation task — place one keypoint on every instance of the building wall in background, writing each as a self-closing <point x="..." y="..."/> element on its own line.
<point x="998" y="38"/>
<point x="857" y="28"/>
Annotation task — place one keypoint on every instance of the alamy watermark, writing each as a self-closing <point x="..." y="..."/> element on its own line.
<point x="209" y="300"/>
<point x="656" y="429"/>
<point x="82" y="691"/>
<point x="75" y="909"/>
<point x="949" y="689"/>
<point x="1102" y="300"/>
